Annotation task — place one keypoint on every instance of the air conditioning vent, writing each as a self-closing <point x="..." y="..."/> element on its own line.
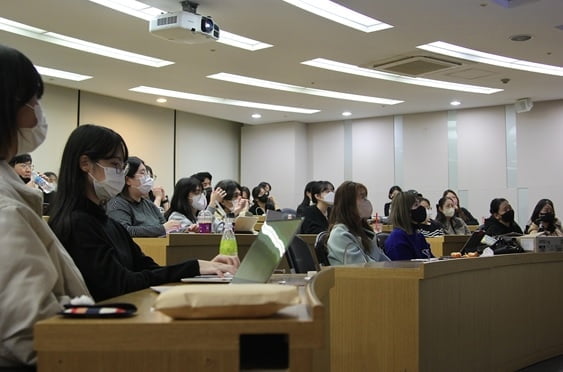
<point x="415" y="66"/>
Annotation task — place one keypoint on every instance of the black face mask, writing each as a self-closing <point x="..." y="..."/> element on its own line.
<point x="508" y="216"/>
<point x="547" y="217"/>
<point x="263" y="198"/>
<point x="418" y="215"/>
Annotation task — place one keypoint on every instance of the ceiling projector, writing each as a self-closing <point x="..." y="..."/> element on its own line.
<point x="184" y="27"/>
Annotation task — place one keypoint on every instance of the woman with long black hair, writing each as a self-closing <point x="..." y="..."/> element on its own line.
<point x="91" y="173"/>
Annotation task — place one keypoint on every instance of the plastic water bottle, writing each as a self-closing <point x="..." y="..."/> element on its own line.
<point x="228" y="245"/>
<point x="204" y="221"/>
<point x="42" y="183"/>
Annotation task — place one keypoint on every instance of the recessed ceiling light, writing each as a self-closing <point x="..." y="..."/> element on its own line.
<point x="256" y="116"/>
<point x="298" y="89"/>
<point x="521" y="37"/>
<point x="78" y="44"/>
<point x="161" y="100"/>
<point x="491" y="59"/>
<point x="338" y="13"/>
<point x="361" y="71"/>
<point x="455" y="103"/>
<point x="140" y="10"/>
<point x="346" y="113"/>
<point x="223" y="101"/>
<point x="51" y="72"/>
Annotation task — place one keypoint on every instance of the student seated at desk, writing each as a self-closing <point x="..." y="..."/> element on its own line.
<point x="429" y="228"/>
<point x="501" y="221"/>
<point x="351" y="238"/>
<point x="112" y="264"/>
<point x="405" y="242"/>
<point x="315" y="217"/>
<point x="37" y="274"/>
<point x="394" y="190"/>
<point x="226" y="198"/>
<point x="459" y="210"/>
<point x="543" y="220"/>
<point x="132" y="207"/>
<point x="445" y="216"/>
<point x="261" y="201"/>
<point x="187" y="201"/>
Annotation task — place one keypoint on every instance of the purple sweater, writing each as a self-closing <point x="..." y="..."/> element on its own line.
<point x="402" y="246"/>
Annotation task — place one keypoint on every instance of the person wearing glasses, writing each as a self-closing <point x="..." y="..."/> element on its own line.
<point x="133" y="209"/>
<point x="91" y="173"/>
<point x="405" y="242"/>
<point x="23" y="166"/>
<point x="157" y="195"/>
<point x="37" y="274"/>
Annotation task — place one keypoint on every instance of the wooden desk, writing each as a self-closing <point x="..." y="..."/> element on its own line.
<point x="498" y="313"/>
<point x="446" y="244"/>
<point x="152" y="341"/>
<point x="176" y="248"/>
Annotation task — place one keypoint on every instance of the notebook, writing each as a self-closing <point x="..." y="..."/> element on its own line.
<point x="245" y="224"/>
<point x="474" y="241"/>
<point x="263" y="256"/>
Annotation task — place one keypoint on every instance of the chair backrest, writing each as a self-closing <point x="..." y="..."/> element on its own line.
<point x="321" y="249"/>
<point x="380" y="239"/>
<point x="300" y="258"/>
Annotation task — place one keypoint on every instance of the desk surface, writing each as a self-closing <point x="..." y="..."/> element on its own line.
<point x="152" y="341"/>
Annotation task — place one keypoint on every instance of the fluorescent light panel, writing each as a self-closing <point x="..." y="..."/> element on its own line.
<point x="237" y="41"/>
<point x="85" y="46"/>
<point x="131" y="7"/>
<point x="46" y="71"/>
<point x="361" y="71"/>
<point x="297" y="89"/>
<point x="451" y="50"/>
<point x="223" y="101"/>
<point x="340" y="14"/>
<point x="140" y="10"/>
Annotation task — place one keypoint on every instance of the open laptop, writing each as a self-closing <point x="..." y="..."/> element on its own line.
<point x="245" y="224"/>
<point x="263" y="256"/>
<point x="472" y="244"/>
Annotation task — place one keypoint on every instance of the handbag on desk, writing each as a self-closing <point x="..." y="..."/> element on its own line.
<point x="506" y="244"/>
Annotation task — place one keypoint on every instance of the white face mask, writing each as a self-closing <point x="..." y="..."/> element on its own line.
<point x="235" y="204"/>
<point x="30" y="139"/>
<point x="430" y="214"/>
<point x="365" y="209"/>
<point x="449" y="212"/>
<point x="199" y="202"/>
<point x="329" y="198"/>
<point x="111" y="185"/>
<point x="146" y="184"/>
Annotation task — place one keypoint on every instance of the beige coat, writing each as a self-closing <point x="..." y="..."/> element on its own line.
<point x="36" y="273"/>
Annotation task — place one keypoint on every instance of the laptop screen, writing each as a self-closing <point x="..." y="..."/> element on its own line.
<point x="267" y="251"/>
<point x="474" y="241"/>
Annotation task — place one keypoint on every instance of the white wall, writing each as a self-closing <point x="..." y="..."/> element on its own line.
<point x="207" y="144"/>
<point x="276" y="154"/>
<point x="147" y="130"/>
<point x="540" y="154"/>
<point x="60" y="108"/>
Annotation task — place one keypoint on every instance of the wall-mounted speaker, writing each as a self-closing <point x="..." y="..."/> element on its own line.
<point x="523" y="105"/>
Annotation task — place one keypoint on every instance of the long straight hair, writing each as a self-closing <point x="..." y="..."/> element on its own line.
<point x="401" y="211"/>
<point x="345" y="211"/>
<point x="180" y="202"/>
<point x="97" y="143"/>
